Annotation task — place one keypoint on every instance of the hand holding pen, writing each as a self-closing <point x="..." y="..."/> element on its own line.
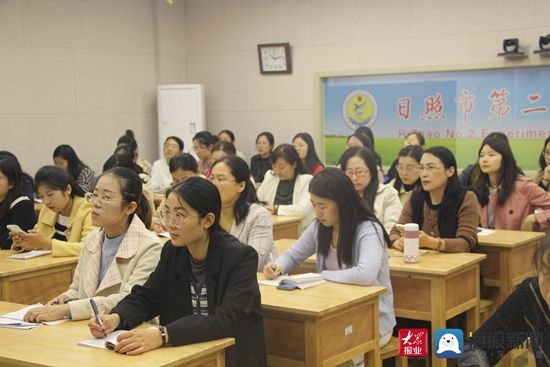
<point x="98" y="318"/>
<point x="272" y="270"/>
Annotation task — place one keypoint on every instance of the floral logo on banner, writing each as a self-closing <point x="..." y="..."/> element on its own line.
<point x="359" y="109"/>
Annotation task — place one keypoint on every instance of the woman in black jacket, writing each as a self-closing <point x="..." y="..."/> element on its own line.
<point x="523" y="314"/>
<point x="204" y="287"/>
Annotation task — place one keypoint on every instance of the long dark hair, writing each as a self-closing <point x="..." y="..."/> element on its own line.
<point x="131" y="189"/>
<point x="128" y="139"/>
<point x="290" y="156"/>
<point x="509" y="171"/>
<point x="239" y="169"/>
<point x="542" y="160"/>
<point x="453" y="190"/>
<point x="333" y="184"/>
<point x="415" y="152"/>
<point x="203" y="196"/>
<point x="225" y="146"/>
<point x="183" y="161"/>
<point x="56" y="178"/>
<point x="312" y="159"/>
<point x="11" y="168"/>
<point x="67" y="152"/>
<point x="205" y="138"/>
<point x="368" y="157"/>
<point x="365" y="130"/>
<point x="364" y="139"/>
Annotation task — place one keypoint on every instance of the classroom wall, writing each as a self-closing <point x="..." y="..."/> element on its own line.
<point x="81" y="72"/>
<point x="326" y="35"/>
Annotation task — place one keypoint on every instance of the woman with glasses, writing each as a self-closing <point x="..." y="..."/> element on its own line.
<point x="160" y="174"/>
<point x="203" y="142"/>
<point x="117" y="256"/>
<point x="543" y="176"/>
<point x="285" y="187"/>
<point x="508" y="199"/>
<point x="65" y="157"/>
<point x="261" y="162"/>
<point x="445" y="212"/>
<point x="203" y="288"/>
<point x="359" y="164"/>
<point x="305" y="147"/>
<point x="242" y="215"/>
<point x="350" y="243"/>
<point x="64" y="220"/>
<point x="408" y="176"/>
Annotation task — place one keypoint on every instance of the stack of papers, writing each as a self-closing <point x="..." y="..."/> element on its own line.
<point x="30" y="254"/>
<point x="300" y="281"/>
<point x="108" y="342"/>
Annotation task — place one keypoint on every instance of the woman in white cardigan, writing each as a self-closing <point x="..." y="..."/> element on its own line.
<point x="285" y="189"/>
<point x="241" y="214"/>
<point x="119" y="255"/>
<point x="358" y="163"/>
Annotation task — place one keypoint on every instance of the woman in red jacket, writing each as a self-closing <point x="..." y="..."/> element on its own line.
<point x="508" y="199"/>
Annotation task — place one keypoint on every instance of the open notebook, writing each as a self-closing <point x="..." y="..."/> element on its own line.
<point x="30" y="254"/>
<point x="108" y="342"/>
<point x="14" y="320"/>
<point x="298" y="281"/>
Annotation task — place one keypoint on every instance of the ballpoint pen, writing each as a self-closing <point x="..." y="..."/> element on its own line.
<point x="97" y="316"/>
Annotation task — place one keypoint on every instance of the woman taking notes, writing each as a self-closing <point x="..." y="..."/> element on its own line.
<point x="445" y="212"/>
<point x="285" y="188"/>
<point x="241" y="214"/>
<point x="203" y="288"/>
<point x="349" y="241"/>
<point x="114" y="258"/>
<point x="508" y="199"/>
<point x="64" y="220"/>
<point x="360" y="166"/>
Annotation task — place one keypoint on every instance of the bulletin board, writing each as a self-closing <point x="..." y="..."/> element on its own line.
<point x="454" y="108"/>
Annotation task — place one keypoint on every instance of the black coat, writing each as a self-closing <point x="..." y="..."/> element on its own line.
<point x="234" y="304"/>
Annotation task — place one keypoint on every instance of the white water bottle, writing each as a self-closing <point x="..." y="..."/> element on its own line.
<point x="411" y="246"/>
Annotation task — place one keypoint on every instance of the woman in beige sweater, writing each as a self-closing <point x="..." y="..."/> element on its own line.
<point x="119" y="255"/>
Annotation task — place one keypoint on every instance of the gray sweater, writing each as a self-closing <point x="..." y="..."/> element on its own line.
<point x="369" y="265"/>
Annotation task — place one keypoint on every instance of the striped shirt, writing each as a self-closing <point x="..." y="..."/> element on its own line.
<point x="199" y="299"/>
<point x="61" y="228"/>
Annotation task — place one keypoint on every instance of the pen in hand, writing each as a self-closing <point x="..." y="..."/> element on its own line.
<point x="97" y="316"/>
<point x="272" y="263"/>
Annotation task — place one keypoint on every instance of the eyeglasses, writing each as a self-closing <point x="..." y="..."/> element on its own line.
<point x="219" y="180"/>
<point x="357" y="172"/>
<point x="429" y="168"/>
<point x="407" y="168"/>
<point x="171" y="146"/>
<point x="176" y="220"/>
<point x="91" y="197"/>
<point x="546" y="153"/>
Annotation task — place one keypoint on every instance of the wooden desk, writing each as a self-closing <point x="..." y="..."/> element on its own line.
<point x="286" y="227"/>
<point x="321" y="326"/>
<point x="436" y="289"/>
<point x="509" y="260"/>
<point x="57" y="346"/>
<point x="34" y="280"/>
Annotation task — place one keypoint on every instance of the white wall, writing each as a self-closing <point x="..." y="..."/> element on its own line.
<point x="328" y="35"/>
<point x="82" y="71"/>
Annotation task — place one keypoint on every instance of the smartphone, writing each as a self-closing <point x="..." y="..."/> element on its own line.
<point x="400" y="227"/>
<point x="14" y="228"/>
<point x="287" y="287"/>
